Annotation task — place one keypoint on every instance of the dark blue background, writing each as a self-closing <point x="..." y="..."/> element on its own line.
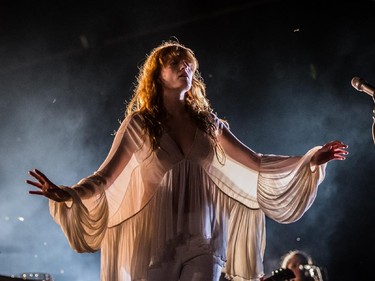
<point x="278" y="71"/>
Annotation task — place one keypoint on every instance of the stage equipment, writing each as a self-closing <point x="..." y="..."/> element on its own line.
<point x="281" y="274"/>
<point x="315" y="272"/>
<point x="35" y="276"/>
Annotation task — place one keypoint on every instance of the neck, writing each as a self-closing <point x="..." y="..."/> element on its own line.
<point x="174" y="103"/>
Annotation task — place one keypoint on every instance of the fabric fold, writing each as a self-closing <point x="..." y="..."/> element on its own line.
<point x="148" y="202"/>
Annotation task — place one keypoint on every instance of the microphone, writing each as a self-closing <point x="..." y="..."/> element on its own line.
<point x="361" y="85"/>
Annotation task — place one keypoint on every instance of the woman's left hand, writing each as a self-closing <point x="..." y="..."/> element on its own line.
<point x="334" y="150"/>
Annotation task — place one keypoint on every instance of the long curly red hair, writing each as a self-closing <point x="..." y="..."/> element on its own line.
<point x="147" y="98"/>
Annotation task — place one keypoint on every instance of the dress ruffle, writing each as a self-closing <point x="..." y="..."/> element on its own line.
<point x="157" y="201"/>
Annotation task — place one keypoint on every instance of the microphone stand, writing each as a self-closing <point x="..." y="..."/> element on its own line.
<point x="361" y="85"/>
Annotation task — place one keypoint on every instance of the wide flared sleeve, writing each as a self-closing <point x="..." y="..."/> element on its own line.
<point x="85" y="218"/>
<point x="280" y="187"/>
<point x="84" y="228"/>
<point x="284" y="187"/>
<point x="287" y="186"/>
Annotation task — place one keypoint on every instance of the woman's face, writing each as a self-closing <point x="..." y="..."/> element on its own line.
<point x="176" y="75"/>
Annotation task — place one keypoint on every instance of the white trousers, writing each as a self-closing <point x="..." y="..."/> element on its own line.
<point x="190" y="263"/>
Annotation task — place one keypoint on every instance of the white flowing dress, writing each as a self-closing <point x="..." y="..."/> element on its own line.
<point x="140" y="204"/>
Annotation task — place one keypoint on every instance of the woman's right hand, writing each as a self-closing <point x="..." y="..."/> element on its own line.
<point x="46" y="187"/>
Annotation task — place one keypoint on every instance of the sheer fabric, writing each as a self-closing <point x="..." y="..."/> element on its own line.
<point x="141" y="204"/>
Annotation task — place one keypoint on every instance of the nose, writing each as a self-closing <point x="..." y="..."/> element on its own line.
<point x="184" y="65"/>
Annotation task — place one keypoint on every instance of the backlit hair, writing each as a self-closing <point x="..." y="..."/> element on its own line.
<point x="147" y="98"/>
<point x="303" y="256"/>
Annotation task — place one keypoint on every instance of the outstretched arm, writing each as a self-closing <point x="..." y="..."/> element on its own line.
<point x="237" y="150"/>
<point x="333" y="150"/>
<point x="125" y="143"/>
